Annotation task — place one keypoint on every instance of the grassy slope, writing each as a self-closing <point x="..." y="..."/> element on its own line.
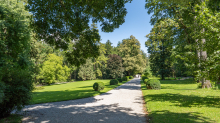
<point x="179" y="101"/>
<point x="70" y="91"/>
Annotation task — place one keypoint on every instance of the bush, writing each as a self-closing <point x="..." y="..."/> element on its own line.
<point x="114" y="82"/>
<point x="16" y="83"/>
<point x="131" y="77"/>
<point x="143" y="77"/>
<point x="119" y="79"/>
<point x="124" y="78"/>
<point x="53" y="70"/>
<point x="127" y="77"/>
<point x="98" y="86"/>
<point x="145" y="81"/>
<point x="153" y="84"/>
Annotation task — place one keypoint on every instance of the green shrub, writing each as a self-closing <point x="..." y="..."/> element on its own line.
<point x="143" y="77"/>
<point x="124" y="78"/>
<point x="127" y="77"/>
<point x="119" y="79"/>
<point x="114" y="82"/>
<point x="131" y="77"/>
<point x="153" y="84"/>
<point x="98" y="86"/>
<point x="145" y="81"/>
<point x="53" y="70"/>
<point x="16" y="66"/>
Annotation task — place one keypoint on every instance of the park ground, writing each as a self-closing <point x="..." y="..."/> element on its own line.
<point x="180" y="101"/>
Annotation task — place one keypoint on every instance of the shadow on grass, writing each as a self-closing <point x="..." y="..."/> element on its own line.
<point x="54" y="96"/>
<point x="85" y="110"/>
<point x="186" y="100"/>
<point x="82" y="92"/>
<point x="166" y="116"/>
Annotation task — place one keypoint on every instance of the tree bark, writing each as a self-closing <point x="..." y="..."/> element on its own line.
<point x="202" y="58"/>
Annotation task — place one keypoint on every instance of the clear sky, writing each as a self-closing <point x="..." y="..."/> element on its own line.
<point x="137" y="23"/>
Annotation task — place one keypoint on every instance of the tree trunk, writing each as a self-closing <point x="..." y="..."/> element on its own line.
<point x="202" y="58"/>
<point x="75" y="74"/>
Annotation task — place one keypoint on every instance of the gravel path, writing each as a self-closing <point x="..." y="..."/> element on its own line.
<point x="123" y="104"/>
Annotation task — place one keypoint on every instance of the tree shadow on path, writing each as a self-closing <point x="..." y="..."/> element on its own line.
<point x="87" y="110"/>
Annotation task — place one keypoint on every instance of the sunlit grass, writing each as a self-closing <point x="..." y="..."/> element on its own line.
<point x="70" y="91"/>
<point x="179" y="101"/>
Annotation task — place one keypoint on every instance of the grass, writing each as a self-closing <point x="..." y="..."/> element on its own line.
<point x="13" y="118"/>
<point x="69" y="91"/>
<point x="179" y="101"/>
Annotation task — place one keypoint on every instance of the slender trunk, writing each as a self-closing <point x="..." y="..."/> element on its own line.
<point x="75" y="74"/>
<point x="202" y="58"/>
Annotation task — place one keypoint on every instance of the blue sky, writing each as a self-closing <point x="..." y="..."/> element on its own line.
<point x="137" y="23"/>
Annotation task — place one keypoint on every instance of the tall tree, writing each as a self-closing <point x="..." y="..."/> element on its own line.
<point x="114" y="66"/>
<point x="192" y="17"/>
<point x="109" y="48"/>
<point x="53" y="70"/>
<point x="59" y="22"/>
<point x="86" y="71"/>
<point x="133" y="61"/>
<point x="16" y="83"/>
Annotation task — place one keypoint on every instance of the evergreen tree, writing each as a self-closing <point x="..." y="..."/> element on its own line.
<point x="108" y="47"/>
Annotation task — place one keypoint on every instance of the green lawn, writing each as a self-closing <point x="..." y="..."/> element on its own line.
<point x="13" y="118"/>
<point x="69" y="91"/>
<point x="179" y="101"/>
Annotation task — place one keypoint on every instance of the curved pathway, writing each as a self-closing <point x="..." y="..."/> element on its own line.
<point x="123" y="104"/>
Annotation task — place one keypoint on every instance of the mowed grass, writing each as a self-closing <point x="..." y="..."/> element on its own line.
<point x="70" y="91"/>
<point x="179" y="101"/>
<point x="13" y="118"/>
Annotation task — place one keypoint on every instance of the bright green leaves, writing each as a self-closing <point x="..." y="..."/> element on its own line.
<point x="133" y="61"/>
<point x="53" y="70"/>
<point x="86" y="71"/>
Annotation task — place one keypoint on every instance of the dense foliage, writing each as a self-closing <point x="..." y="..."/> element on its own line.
<point x="15" y="63"/>
<point x="113" y="82"/>
<point x="124" y="78"/>
<point x="86" y="71"/>
<point x="66" y="20"/>
<point x="133" y="61"/>
<point x="189" y="30"/>
<point x="153" y="84"/>
<point x="119" y="79"/>
<point x="98" y="86"/>
<point x="53" y="70"/>
<point x="114" y="66"/>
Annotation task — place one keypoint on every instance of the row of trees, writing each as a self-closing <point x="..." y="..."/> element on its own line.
<point x="113" y="62"/>
<point x="36" y="41"/>
<point x="51" y="65"/>
<point x="185" y="38"/>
